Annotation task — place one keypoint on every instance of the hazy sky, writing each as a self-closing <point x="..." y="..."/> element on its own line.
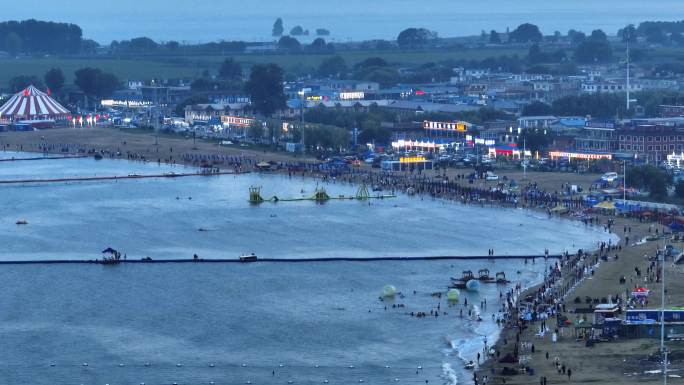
<point x="204" y="20"/>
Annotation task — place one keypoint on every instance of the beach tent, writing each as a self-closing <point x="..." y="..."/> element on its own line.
<point x="32" y="104"/>
<point x="640" y="292"/>
<point x="560" y="209"/>
<point x="605" y="205"/>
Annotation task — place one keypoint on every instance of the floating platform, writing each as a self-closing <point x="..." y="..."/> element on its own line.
<point x="320" y="195"/>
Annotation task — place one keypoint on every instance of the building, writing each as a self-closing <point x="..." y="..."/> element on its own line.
<point x="545" y="122"/>
<point x="670" y="111"/>
<point x="597" y="137"/>
<point x="651" y="143"/>
<point x="609" y="87"/>
<point x="202" y="113"/>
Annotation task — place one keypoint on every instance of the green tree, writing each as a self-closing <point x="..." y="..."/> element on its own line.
<point x="494" y="37"/>
<point x="576" y="37"/>
<point x="20" y="82"/>
<point x="196" y="99"/>
<point x="94" y="83"/>
<point x="54" y="79"/>
<point x="536" y="56"/>
<point x="318" y="45"/>
<point x="299" y="31"/>
<point x="593" y="51"/>
<point x="526" y="33"/>
<point x="278" y="28"/>
<point x="415" y="37"/>
<point x="334" y="66"/>
<point x="230" y="70"/>
<point x="651" y="178"/>
<point x="628" y="34"/>
<point x="534" y="140"/>
<point x="265" y="88"/>
<point x="679" y="189"/>
<point x="537" y="109"/>
<point x="289" y="43"/>
<point x="598" y="35"/>
<point x="654" y="35"/>
<point x="255" y="131"/>
<point x="13" y="43"/>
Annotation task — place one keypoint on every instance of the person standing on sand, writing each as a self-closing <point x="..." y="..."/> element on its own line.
<point x="569" y="374"/>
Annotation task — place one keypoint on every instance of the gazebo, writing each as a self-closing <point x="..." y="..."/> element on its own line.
<point x="32" y="104"/>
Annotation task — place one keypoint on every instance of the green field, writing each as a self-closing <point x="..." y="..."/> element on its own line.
<point x="193" y="66"/>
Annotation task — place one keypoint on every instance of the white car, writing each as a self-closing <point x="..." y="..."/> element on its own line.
<point x="609" y="177"/>
<point x="491" y="176"/>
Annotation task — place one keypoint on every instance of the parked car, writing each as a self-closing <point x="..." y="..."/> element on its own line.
<point x="491" y="176"/>
<point x="609" y="177"/>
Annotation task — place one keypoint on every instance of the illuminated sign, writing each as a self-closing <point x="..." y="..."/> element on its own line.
<point x="411" y="159"/>
<point x="237" y="121"/>
<point x="314" y="98"/>
<point x="578" y="155"/>
<point x="124" y="103"/>
<point x="448" y="126"/>
<point x="352" y="95"/>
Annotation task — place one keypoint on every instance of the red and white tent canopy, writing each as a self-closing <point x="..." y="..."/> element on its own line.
<point x="32" y="103"/>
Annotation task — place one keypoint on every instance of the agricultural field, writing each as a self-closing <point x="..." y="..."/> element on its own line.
<point x="192" y="66"/>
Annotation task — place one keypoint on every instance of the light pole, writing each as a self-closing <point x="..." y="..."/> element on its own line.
<point x="663" y="349"/>
<point x="624" y="182"/>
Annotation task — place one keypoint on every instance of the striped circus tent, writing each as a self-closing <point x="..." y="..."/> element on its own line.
<point x="32" y="104"/>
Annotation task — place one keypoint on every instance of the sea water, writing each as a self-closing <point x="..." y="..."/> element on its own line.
<point x="209" y="20"/>
<point x="237" y="323"/>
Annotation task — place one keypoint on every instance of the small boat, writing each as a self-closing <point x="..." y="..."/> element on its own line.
<point x="377" y="188"/>
<point x="470" y="365"/>
<point x="22" y="222"/>
<point x="248" y="258"/>
<point x="97" y="156"/>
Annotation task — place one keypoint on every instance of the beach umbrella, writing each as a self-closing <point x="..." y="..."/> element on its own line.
<point x="472" y="285"/>
<point x="453" y="295"/>
<point x="389" y="291"/>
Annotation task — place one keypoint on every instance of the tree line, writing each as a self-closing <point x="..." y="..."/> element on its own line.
<point x="33" y="36"/>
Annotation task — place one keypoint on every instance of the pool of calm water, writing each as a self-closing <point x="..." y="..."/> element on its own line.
<point x="235" y="323"/>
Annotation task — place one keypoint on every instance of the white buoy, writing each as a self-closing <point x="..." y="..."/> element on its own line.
<point x="360" y="380"/>
<point x="85" y="364"/>
<point x="289" y="382"/>
<point x="325" y="381"/>
<point x="179" y="364"/>
<point x="211" y="365"/>
<point x="147" y="364"/>
<point x="396" y="380"/>
<point x="52" y="364"/>
<point x="420" y="367"/>
<point x="121" y="365"/>
<point x="387" y="366"/>
<point x="280" y="365"/>
<point x="248" y="382"/>
<point x="244" y="365"/>
<point x="316" y="366"/>
<point x="351" y="366"/>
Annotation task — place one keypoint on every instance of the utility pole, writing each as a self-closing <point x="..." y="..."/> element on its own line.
<point x="627" y="85"/>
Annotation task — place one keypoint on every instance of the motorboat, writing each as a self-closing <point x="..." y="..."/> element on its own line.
<point x="470" y="365"/>
<point x="248" y="257"/>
